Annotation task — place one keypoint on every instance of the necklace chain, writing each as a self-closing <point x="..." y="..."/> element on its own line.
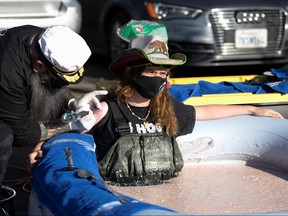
<point x="138" y="117"/>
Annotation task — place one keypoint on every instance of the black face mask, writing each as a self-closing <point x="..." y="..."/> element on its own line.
<point x="57" y="83"/>
<point x="51" y="83"/>
<point x="149" y="87"/>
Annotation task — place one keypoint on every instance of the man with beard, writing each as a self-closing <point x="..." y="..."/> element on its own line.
<point x="36" y="66"/>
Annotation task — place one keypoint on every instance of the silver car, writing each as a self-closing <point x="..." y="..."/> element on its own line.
<point x="42" y="13"/>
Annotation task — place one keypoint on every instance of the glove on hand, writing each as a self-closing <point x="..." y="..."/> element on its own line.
<point x="89" y="98"/>
<point x="87" y="102"/>
<point x="85" y="123"/>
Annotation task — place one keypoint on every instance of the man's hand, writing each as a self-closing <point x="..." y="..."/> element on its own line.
<point x="89" y="98"/>
<point x="35" y="156"/>
<point x="89" y="103"/>
<point x="85" y="123"/>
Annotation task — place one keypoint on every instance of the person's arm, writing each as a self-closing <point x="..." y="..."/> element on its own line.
<point x="48" y="130"/>
<point x="89" y="103"/>
<point x="99" y="114"/>
<point x="207" y="112"/>
<point x="54" y="128"/>
<point x="57" y="127"/>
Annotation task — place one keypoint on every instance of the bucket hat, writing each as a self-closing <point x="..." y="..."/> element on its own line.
<point x="65" y="51"/>
<point x="147" y="43"/>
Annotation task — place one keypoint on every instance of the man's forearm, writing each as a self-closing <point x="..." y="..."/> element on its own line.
<point x="49" y="130"/>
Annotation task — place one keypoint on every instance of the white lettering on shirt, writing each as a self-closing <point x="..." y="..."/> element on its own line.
<point x="159" y="128"/>
<point x="151" y="128"/>
<point x="140" y="128"/>
<point x="147" y="128"/>
<point x="131" y="127"/>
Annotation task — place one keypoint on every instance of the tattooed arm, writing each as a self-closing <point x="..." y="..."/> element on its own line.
<point x="48" y="130"/>
<point x="51" y="129"/>
<point x="56" y="127"/>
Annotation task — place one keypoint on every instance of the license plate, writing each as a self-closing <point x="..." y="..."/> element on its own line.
<point x="251" y="38"/>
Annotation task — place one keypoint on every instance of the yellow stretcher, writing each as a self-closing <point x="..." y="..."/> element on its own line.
<point x="230" y="98"/>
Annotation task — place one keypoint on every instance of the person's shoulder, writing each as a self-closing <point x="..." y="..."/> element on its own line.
<point x="100" y="113"/>
<point x="26" y="28"/>
<point x="109" y="99"/>
<point x="104" y="106"/>
<point x="21" y="32"/>
<point x="177" y="105"/>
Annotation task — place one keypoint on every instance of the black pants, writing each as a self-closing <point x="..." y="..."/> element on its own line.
<point x="6" y="141"/>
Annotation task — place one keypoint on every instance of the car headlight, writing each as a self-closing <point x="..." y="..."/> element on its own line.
<point x="166" y="11"/>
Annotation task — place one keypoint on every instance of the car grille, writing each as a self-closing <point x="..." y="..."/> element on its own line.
<point x="224" y="32"/>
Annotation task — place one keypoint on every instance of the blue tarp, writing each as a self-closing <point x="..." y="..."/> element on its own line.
<point x="182" y="92"/>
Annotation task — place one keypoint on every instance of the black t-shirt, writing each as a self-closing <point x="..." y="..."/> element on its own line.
<point x="105" y="135"/>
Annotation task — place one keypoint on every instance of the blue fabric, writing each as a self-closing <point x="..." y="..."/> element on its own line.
<point x="182" y="92"/>
<point x="281" y="73"/>
<point x="204" y="87"/>
<point x="281" y="86"/>
<point x="64" y="193"/>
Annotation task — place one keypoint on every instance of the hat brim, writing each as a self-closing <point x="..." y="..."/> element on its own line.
<point x="70" y="78"/>
<point x="135" y="56"/>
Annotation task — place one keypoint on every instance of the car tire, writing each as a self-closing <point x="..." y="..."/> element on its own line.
<point x="116" y="45"/>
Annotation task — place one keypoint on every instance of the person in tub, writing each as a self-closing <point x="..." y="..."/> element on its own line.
<point x="138" y="126"/>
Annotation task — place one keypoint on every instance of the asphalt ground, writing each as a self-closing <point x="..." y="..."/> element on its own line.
<point x="95" y="73"/>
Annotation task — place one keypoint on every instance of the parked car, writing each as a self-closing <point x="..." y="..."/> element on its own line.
<point x="209" y="32"/>
<point x="40" y="13"/>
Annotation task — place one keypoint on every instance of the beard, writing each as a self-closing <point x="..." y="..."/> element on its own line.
<point x="47" y="104"/>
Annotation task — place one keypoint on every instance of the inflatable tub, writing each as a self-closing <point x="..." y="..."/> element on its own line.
<point x="213" y="181"/>
<point x="233" y="166"/>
